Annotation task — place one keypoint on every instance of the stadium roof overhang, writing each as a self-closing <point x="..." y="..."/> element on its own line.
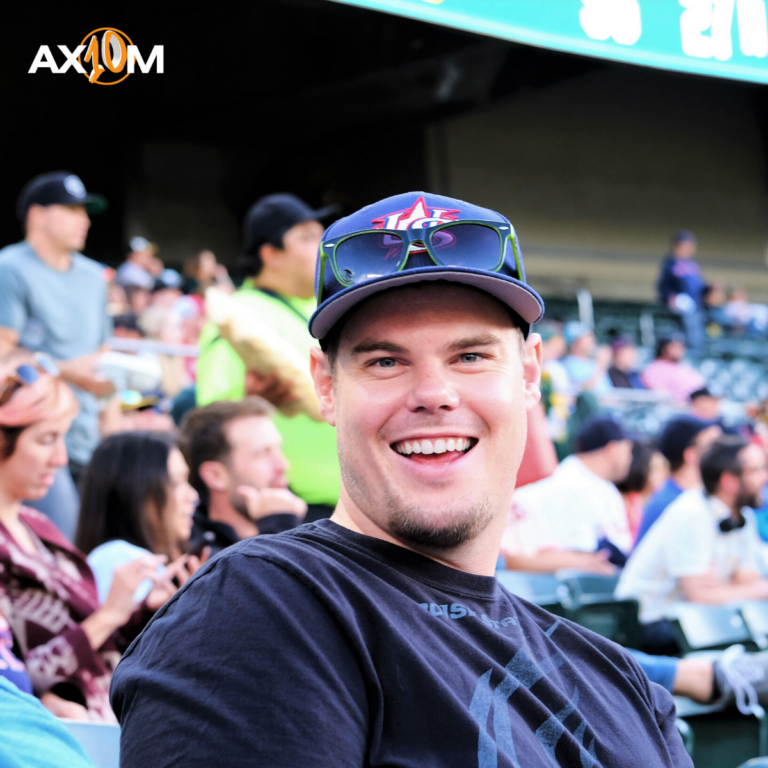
<point x="719" y="38"/>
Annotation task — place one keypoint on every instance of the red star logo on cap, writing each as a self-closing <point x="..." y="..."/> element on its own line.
<point x="418" y="216"/>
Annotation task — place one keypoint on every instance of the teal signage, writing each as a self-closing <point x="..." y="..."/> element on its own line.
<point x="723" y="38"/>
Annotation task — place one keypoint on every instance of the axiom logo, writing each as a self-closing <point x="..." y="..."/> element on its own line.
<point x="109" y="55"/>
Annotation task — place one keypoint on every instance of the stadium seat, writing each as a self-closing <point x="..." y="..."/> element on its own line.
<point x="708" y="627"/>
<point x="756" y="762"/>
<point x="542" y="589"/>
<point x="755" y="615"/>
<point x="686" y="732"/>
<point x="100" y="740"/>
<point x="582" y="584"/>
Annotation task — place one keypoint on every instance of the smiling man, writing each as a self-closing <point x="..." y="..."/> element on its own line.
<point x="380" y="637"/>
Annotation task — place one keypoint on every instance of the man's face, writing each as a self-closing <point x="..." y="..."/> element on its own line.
<point x="65" y="225"/>
<point x="429" y="397"/>
<point x="255" y="459"/>
<point x="685" y="249"/>
<point x="584" y="346"/>
<point x="625" y="358"/>
<point x="620" y="453"/>
<point x="706" y="407"/>
<point x="754" y="475"/>
<point x="300" y="244"/>
<point x="675" y="351"/>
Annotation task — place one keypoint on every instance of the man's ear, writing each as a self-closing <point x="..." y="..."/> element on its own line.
<point x="532" y="370"/>
<point x="215" y="475"/>
<point x="320" y="368"/>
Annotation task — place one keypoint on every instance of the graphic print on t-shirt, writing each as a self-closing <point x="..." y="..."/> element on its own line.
<point x="523" y="671"/>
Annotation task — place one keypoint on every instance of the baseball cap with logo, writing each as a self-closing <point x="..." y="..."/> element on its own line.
<point x="416" y="237"/>
<point x="59" y="188"/>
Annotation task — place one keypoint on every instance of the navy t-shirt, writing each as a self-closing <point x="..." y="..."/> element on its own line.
<point x="681" y="276"/>
<point x="324" y="647"/>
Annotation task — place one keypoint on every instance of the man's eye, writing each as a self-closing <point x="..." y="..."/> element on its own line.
<point x="469" y="357"/>
<point x="386" y="362"/>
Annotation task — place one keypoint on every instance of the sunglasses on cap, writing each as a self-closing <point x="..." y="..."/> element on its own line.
<point x="26" y="375"/>
<point x="373" y="253"/>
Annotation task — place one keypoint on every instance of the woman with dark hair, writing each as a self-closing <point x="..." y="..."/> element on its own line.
<point x="69" y="642"/>
<point x="135" y="501"/>
<point x="647" y="473"/>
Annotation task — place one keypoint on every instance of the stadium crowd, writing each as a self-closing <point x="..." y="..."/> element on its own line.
<point x="135" y="445"/>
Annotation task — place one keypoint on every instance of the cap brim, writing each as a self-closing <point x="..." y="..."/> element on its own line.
<point x="321" y="213"/>
<point x="514" y="293"/>
<point x="94" y="204"/>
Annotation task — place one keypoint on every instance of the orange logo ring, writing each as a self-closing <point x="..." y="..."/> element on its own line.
<point x="104" y="29"/>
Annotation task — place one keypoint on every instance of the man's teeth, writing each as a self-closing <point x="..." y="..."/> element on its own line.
<point x="432" y="446"/>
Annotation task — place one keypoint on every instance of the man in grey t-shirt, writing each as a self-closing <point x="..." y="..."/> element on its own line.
<point x="53" y="299"/>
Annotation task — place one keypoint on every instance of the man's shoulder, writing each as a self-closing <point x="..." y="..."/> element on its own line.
<point x="13" y="257"/>
<point x="88" y="266"/>
<point x="689" y="505"/>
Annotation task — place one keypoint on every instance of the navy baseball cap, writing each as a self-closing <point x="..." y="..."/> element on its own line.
<point x="420" y="211"/>
<point x="59" y="188"/>
<point x="270" y="217"/>
<point x="680" y="433"/>
<point x="597" y="432"/>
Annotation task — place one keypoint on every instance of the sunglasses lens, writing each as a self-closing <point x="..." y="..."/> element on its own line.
<point x="28" y="374"/>
<point x="467" y="245"/>
<point x="363" y="257"/>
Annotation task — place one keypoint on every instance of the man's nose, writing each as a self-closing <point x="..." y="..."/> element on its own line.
<point x="432" y="389"/>
<point x="59" y="456"/>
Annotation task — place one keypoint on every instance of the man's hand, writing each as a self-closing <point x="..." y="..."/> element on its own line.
<point x="83" y="373"/>
<point x="271" y="501"/>
<point x="272" y="388"/>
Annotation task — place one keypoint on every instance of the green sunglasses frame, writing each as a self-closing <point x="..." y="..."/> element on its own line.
<point x="328" y="248"/>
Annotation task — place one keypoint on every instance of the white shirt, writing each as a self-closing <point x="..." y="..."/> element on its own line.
<point x="686" y="541"/>
<point x="572" y="509"/>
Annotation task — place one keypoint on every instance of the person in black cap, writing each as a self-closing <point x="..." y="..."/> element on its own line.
<point x="281" y="235"/>
<point x="682" y="442"/>
<point x="567" y="519"/>
<point x="53" y="299"/>
<point x="681" y="288"/>
<point x="705" y="405"/>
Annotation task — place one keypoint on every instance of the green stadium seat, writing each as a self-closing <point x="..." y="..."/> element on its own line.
<point x="755" y="615"/>
<point x="542" y="589"/>
<point x="686" y="733"/>
<point x="708" y="627"/>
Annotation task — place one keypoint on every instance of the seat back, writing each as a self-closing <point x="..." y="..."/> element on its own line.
<point x="100" y="740"/>
<point x="755" y="615"/>
<point x="708" y="627"/>
<point x="543" y="589"/>
<point x="583" y="584"/>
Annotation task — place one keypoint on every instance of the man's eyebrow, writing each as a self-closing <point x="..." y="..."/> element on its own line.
<point x="371" y="345"/>
<point x="482" y="340"/>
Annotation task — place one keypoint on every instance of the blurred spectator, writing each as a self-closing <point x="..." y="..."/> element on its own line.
<point x="162" y="325"/>
<point x="127" y="326"/>
<point x="586" y="364"/>
<point x="648" y="471"/>
<point x="704" y="405"/>
<point x="130" y="411"/>
<point x="555" y="385"/>
<point x="281" y="237"/>
<point x="141" y="265"/>
<point x="167" y="289"/>
<point x="714" y="303"/>
<point x="622" y="372"/>
<point x="139" y="297"/>
<point x="188" y="315"/>
<point x="704" y="548"/>
<point x="681" y="288"/>
<point x="47" y="591"/>
<point x="576" y="517"/>
<point x="54" y="300"/>
<point x="202" y="271"/>
<point x="682" y="442"/>
<point x="117" y="300"/>
<point x="752" y="319"/>
<point x="667" y="373"/>
<point x="136" y="502"/>
<point x="237" y="467"/>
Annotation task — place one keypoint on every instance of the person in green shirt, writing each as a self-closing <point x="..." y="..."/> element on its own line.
<point x="281" y="236"/>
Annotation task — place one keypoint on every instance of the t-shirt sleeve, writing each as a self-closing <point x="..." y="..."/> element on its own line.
<point x="243" y="667"/>
<point x="687" y="544"/>
<point x="13" y="310"/>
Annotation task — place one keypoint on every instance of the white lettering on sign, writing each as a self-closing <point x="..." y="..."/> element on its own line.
<point x="616" y="19"/>
<point x="716" y="17"/>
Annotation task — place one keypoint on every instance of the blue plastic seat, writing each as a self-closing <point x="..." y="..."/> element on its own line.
<point x="100" y="740"/>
